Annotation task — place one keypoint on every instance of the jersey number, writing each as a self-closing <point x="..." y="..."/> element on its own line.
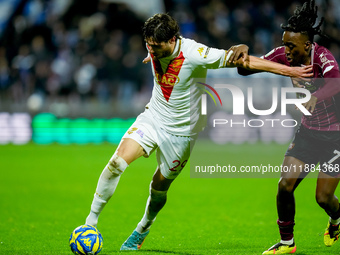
<point x="337" y="155"/>
<point x="178" y="163"/>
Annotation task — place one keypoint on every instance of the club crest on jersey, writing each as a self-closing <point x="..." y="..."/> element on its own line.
<point x="291" y="146"/>
<point x="177" y="64"/>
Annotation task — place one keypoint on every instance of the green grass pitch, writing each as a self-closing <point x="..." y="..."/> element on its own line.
<point x="46" y="191"/>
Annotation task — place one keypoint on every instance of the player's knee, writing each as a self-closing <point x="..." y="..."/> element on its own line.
<point x="116" y="165"/>
<point x="286" y="185"/>
<point x="324" y="198"/>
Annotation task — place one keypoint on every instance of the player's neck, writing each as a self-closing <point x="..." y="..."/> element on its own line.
<point x="307" y="61"/>
<point x="173" y="47"/>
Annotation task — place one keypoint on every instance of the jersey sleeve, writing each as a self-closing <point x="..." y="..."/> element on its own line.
<point x="210" y="58"/>
<point x="330" y="72"/>
<point x="276" y="55"/>
<point x="326" y="61"/>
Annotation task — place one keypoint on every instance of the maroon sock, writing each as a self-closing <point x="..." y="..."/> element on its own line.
<point x="335" y="215"/>
<point x="286" y="229"/>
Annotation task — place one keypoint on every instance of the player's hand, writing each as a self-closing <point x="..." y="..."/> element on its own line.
<point x="146" y="60"/>
<point x="302" y="71"/>
<point x="310" y="105"/>
<point x="298" y="83"/>
<point x="237" y="51"/>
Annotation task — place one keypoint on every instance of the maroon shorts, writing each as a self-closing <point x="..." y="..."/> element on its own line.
<point x="317" y="147"/>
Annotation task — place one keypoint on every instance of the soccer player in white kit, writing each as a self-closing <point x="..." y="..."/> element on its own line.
<point x="164" y="126"/>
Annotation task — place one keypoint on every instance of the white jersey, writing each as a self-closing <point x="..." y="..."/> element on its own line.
<point x="175" y="97"/>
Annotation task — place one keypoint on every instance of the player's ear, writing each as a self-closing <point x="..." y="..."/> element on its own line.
<point x="172" y="40"/>
<point x="308" y="45"/>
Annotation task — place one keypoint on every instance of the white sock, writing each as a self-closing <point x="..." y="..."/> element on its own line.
<point x="155" y="203"/>
<point x="334" y="222"/>
<point x="106" y="186"/>
<point x="289" y="242"/>
<point x="104" y="191"/>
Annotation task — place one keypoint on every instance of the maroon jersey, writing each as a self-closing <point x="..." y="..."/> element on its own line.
<point x="325" y="85"/>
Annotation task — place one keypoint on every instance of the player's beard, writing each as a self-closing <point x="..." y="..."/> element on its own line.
<point x="164" y="54"/>
<point x="299" y="59"/>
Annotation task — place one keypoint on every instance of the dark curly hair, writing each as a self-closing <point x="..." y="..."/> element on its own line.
<point x="304" y="19"/>
<point x="161" y="28"/>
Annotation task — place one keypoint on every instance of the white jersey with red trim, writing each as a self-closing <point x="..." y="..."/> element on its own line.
<point x="174" y="92"/>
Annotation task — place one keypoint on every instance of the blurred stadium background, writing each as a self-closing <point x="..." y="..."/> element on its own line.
<point x="71" y="73"/>
<point x="68" y="68"/>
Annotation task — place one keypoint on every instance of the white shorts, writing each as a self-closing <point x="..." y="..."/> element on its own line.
<point x="172" y="151"/>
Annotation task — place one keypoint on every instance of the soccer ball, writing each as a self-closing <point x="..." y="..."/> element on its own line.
<point x="85" y="240"/>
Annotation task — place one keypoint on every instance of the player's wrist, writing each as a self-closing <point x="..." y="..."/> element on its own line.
<point x="288" y="71"/>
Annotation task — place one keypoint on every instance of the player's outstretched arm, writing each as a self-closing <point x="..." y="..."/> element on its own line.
<point x="258" y="64"/>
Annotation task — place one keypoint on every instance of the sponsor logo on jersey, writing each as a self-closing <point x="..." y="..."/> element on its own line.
<point x="200" y="50"/>
<point x="323" y="58"/>
<point x="170" y="78"/>
<point x="131" y="130"/>
<point x="167" y="80"/>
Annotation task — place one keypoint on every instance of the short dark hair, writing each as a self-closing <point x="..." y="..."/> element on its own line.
<point x="304" y="19"/>
<point x="161" y="28"/>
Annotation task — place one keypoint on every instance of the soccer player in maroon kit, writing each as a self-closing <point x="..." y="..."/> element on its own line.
<point x="318" y="138"/>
